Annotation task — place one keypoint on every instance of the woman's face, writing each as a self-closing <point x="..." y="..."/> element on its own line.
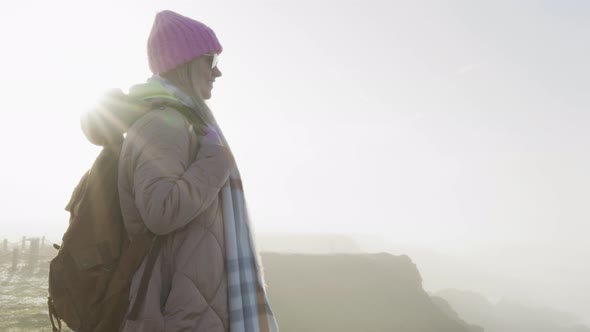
<point x="203" y="75"/>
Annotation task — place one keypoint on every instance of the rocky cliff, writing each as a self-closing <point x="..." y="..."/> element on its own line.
<point x="352" y="292"/>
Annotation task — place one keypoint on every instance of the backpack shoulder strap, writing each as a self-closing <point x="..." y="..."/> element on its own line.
<point x="145" y="278"/>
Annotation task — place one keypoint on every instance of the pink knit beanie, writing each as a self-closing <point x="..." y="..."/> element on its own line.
<point x="176" y="39"/>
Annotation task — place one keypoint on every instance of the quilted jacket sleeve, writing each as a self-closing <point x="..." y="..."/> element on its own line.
<point x="169" y="190"/>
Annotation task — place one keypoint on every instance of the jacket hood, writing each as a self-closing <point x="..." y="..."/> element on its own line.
<point x="105" y="124"/>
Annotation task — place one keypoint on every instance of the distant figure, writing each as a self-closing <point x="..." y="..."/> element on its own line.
<point x="178" y="179"/>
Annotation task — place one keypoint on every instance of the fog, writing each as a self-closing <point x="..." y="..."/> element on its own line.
<point x="538" y="277"/>
<point x="454" y="133"/>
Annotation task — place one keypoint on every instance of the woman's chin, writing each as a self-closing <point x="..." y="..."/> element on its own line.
<point x="207" y="95"/>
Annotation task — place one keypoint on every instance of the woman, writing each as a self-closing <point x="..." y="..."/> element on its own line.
<point x="178" y="179"/>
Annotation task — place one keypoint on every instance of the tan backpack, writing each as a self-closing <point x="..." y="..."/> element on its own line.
<point x="89" y="279"/>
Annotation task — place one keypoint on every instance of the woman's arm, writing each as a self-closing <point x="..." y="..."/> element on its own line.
<point x="170" y="192"/>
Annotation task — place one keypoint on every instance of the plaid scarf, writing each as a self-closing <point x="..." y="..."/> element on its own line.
<point x="249" y="308"/>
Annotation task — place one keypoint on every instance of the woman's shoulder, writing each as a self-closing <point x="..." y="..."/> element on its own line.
<point x="163" y="118"/>
<point x="160" y="126"/>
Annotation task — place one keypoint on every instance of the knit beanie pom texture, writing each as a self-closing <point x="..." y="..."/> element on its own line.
<point x="176" y="39"/>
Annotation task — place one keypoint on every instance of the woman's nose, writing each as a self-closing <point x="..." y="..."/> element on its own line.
<point x="216" y="72"/>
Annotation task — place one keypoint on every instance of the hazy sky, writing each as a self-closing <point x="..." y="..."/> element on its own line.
<point x="441" y="125"/>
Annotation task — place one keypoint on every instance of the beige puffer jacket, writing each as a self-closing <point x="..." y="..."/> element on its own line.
<point x="169" y="182"/>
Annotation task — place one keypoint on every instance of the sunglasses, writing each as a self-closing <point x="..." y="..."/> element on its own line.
<point x="214" y="59"/>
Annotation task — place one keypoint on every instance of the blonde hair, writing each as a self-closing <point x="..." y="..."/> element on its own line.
<point x="181" y="78"/>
